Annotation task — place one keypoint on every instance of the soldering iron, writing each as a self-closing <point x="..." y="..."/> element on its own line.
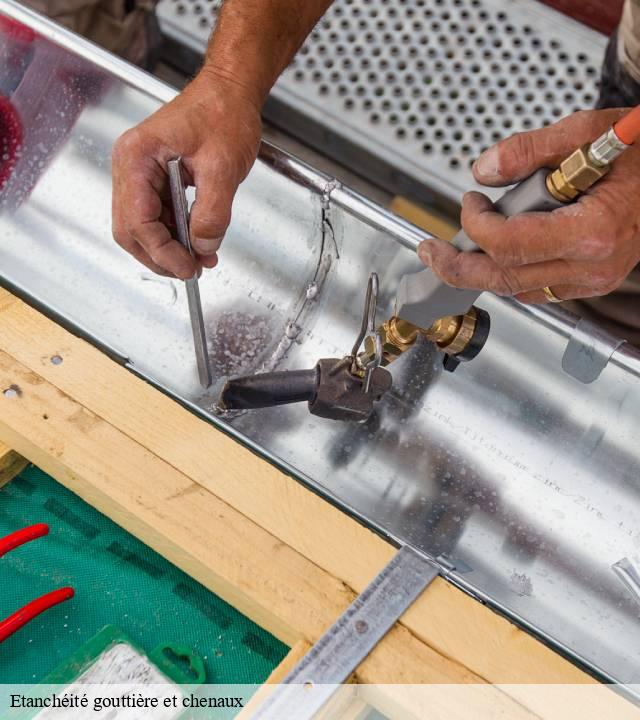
<point x="425" y="306"/>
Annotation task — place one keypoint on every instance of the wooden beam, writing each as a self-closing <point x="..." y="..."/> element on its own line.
<point x="425" y="218"/>
<point x="297" y="652"/>
<point x="11" y="464"/>
<point x="247" y="566"/>
<point x="144" y="460"/>
<point x="346" y="704"/>
<point x="159" y="504"/>
<point x="448" y="620"/>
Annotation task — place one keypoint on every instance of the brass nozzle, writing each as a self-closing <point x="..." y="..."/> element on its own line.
<point x="575" y="175"/>
<point x="397" y="337"/>
<point x="451" y="334"/>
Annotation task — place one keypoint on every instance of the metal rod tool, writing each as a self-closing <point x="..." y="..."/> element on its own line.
<point x="181" y="213"/>
<point x="368" y="332"/>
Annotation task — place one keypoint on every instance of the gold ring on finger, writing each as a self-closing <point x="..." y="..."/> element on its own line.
<point x="550" y="295"/>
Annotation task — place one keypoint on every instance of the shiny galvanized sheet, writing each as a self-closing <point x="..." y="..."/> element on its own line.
<point x="519" y="476"/>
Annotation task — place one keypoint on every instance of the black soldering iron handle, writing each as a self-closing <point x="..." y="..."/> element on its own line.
<point x="531" y="195"/>
<point x="269" y="389"/>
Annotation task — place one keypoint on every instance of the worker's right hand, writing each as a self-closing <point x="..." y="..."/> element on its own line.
<point x="581" y="250"/>
<point x="215" y="127"/>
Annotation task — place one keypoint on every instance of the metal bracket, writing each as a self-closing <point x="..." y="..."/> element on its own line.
<point x="589" y="350"/>
<point x="629" y="576"/>
<point x="337" y="654"/>
<point x="368" y="331"/>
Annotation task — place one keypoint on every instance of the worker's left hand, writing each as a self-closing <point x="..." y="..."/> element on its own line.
<point x="582" y="250"/>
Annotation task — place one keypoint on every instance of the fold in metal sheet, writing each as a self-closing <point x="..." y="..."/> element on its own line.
<point x="511" y="471"/>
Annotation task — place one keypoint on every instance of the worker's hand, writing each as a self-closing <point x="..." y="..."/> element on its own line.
<point x="582" y="250"/>
<point x="215" y="128"/>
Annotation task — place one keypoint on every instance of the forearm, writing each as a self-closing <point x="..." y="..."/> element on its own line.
<point x="214" y="126"/>
<point x="256" y="39"/>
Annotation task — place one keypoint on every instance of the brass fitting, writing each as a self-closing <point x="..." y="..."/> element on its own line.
<point x="575" y="175"/>
<point x="397" y="337"/>
<point x="451" y="334"/>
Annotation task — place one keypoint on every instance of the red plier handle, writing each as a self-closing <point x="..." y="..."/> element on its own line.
<point x="30" y="611"/>
<point x="21" y="537"/>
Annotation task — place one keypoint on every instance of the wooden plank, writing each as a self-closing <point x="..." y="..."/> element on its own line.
<point x="163" y="437"/>
<point x="347" y="705"/>
<point x="445" y="618"/>
<point x="178" y="518"/>
<point x="11" y="464"/>
<point x="240" y="561"/>
<point x="439" y="225"/>
<point x="297" y="652"/>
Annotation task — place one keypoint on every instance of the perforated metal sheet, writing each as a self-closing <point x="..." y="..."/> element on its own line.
<point x="424" y="85"/>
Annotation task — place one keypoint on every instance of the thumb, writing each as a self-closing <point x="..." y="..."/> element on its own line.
<point x="518" y="156"/>
<point x="211" y="212"/>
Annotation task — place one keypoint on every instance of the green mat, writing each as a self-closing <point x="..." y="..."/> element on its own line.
<point x="118" y="581"/>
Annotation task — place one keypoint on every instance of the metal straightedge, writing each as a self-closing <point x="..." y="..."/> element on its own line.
<point x="338" y="653"/>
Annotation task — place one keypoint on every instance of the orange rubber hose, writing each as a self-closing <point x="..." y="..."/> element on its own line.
<point x="628" y="129"/>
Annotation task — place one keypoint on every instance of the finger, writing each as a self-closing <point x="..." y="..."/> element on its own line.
<point x="132" y="247"/>
<point x="127" y="242"/>
<point x="164" y="250"/>
<point x="562" y="292"/>
<point x="518" y="156"/>
<point x="137" y="213"/>
<point x="168" y="220"/>
<point x="577" y="232"/>
<point x="208" y="261"/>
<point x="211" y="211"/>
<point x="478" y="271"/>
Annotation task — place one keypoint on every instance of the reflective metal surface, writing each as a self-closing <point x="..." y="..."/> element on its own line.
<point x="523" y="478"/>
